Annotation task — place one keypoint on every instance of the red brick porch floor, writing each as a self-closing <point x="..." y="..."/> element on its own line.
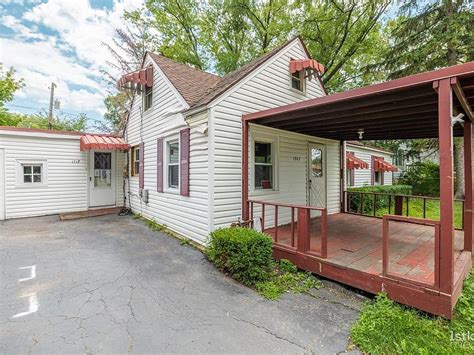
<point x="355" y="242"/>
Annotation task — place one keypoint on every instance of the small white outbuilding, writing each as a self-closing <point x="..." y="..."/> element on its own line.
<point x="45" y="172"/>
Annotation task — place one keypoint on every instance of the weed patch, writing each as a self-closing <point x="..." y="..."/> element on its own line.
<point x="386" y="327"/>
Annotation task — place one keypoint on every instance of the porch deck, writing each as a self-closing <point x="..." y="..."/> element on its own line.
<point x="355" y="242"/>
<point x="355" y="257"/>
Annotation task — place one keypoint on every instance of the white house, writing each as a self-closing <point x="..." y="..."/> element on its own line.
<point x="46" y="172"/>
<point x="186" y="135"/>
<point x="368" y="172"/>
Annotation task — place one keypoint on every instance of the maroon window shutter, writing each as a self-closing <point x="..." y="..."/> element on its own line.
<point x="141" y="177"/>
<point x="352" y="174"/>
<point x="372" y="171"/>
<point x="184" y="161"/>
<point x="159" y="165"/>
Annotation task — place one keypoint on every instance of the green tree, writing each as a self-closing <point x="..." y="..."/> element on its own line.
<point x="346" y="37"/>
<point x="63" y="122"/>
<point x="429" y="35"/>
<point x="8" y="86"/>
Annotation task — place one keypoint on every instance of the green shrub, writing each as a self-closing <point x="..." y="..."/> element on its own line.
<point x="382" y="202"/>
<point x="243" y="253"/>
<point x="424" y="177"/>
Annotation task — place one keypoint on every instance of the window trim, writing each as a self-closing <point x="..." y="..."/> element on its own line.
<point x="166" y="188"/>
<point x="263" y="138"/>
<point x="133" y="160"/>
<point x="302" y="81"/>
<point x="33" y="162"/>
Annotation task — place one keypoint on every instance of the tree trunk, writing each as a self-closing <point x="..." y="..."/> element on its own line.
<point x="459" y="167"/>
<point x="458" y="143"/>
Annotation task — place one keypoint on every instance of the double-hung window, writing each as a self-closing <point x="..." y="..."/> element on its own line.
<point x="172" y="163"/>
<point x="147" y="97"/>
<point x="263" y="165"/>
<point x="135" y="161"/>
<point x="297" y="80"/>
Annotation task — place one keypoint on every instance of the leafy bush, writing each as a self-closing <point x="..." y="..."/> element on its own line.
<point x="382" y="201"/>
<point x="424" y="177"/>
<point x="243" y="253"/>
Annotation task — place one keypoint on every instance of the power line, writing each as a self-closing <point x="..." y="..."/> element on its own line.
<point x="45" y="109"/>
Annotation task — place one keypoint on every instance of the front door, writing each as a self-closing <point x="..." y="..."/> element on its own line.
<point x="101" y="178"/>
<point x="317" y="176"/>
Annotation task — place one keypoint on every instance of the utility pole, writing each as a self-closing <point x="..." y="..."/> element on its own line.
<point x="51" y="102"/>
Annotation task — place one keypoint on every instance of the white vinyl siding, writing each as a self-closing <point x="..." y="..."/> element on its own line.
<point x="65" y="175"/>
<point x="186" y="215"/>
<point x="268" y="87"/>
<point x="362" y="177"/>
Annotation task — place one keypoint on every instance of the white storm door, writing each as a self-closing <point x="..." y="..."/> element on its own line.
<point x="101" y="178"/>
<point x="2" y="184"/>
<point x="317" y="177"/>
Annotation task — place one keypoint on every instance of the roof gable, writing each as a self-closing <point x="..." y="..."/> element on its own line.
<point x="199" y="88"/>
<point x="191" y="83"/>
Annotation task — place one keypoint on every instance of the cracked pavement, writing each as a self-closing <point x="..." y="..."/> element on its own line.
<point x="111" y="285"/>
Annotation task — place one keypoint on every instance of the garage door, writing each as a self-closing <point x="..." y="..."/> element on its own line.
<point x="2" y="184"/>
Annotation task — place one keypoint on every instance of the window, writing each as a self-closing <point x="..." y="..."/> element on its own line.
<point x="297" y="80"/>
<point x="147" y="97"/>
<point x="172" y="161"/>
<point x="350" y="177"/>
<point x="32" y="173"/>
<point x="135" y="161"/>
<point x="263" y="168"/>
<point x="378" y="178"/>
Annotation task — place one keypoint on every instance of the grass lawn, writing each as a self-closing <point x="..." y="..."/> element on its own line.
<point x="386" y="327"/>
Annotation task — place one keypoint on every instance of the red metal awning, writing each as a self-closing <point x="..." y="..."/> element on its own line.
<point x="382" y="165"/>
<point x="137" y="78"/>
<point x="96" y="141"/>
<point x="352" y="162"/>
<point x="300" y="64"/>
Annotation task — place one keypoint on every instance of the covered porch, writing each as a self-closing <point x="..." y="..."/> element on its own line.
<point x="418" y="261"/>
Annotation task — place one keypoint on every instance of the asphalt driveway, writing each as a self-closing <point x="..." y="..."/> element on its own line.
<point x="110" y="284"/>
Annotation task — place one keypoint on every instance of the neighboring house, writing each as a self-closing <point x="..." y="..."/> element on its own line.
<point x="48" y="172"/>
<point x="185" y="133"/>
<point x="405" y="163"/>
<point x="375" y="167"/>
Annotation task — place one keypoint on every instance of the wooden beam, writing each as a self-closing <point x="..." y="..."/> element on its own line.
<point x="468" y="198"/>
<point x="462" y="99"/>
<point x="351" y="104"/>
<point x="357" y="115"/>
<point x="445" y="130"/>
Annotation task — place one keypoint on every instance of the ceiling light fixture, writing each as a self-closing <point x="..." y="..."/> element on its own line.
<point x="360" y="131"/>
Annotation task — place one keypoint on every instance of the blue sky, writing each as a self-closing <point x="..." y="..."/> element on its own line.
<point x="60" y="41"/>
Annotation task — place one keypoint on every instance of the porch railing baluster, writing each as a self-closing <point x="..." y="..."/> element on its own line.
<point x="293" y="227"/>
<point x="276" y="223"/>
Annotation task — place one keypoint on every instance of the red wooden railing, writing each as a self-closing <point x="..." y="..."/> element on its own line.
<point x="300" y="227"/>
<point x="386" y="250"/>
<point x="397" y="204"/>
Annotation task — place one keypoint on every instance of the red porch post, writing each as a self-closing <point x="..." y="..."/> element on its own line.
<point x="468" y="199"/>
<point x="343" y="176"/>
<point x="245" y="170"/>
<point x="445" y="133"/>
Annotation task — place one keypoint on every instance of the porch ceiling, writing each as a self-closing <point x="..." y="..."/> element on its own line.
<point x="399" y="109"/>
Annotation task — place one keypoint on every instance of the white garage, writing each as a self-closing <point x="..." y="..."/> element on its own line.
<point x="47" y="172"/>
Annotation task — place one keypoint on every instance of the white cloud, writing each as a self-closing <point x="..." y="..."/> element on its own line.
<point x="72" y="57"/>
